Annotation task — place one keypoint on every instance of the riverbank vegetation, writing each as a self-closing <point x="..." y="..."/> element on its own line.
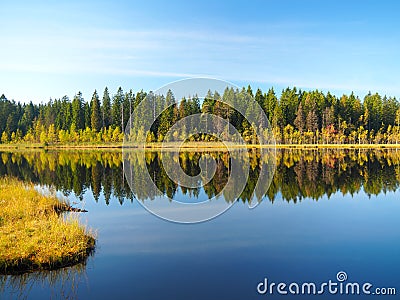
<point x="296" y="117"/>
<point x="34" y="235"/>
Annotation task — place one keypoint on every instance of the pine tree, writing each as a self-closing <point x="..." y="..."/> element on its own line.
<point x="116" y="108"/>
<point x="106" y="109"/>
<point x="208" y="103"/>
<point x="289" y="102"/>
<point x="77" y="111"/>
<point x="65" y="119"/>
<point x="126" y="108"/>
<point x="87" y="115"/>
<point x="166" y="118"/>
<point x="96" y="118"/>
<point x="259" y="97"/>
<point x="250" y="91"/>
<point x="270" y="102"/>
<point x="27" y="118"/>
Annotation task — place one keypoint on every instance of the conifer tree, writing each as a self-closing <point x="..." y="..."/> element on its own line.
<point x="96" y="118"/>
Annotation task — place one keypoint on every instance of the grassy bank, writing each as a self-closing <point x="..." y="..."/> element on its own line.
<point x="33" y="234"/>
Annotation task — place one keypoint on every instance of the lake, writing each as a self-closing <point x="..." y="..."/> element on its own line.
<point x="326" y="212"/>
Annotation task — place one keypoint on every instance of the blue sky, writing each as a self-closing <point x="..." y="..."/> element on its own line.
<point x="53" y="48"/>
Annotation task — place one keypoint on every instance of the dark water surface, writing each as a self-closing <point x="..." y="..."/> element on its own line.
<point x="326" y="211"/>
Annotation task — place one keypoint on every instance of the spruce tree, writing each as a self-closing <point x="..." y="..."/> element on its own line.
<point x="96" y="118"/>
<point x="106" y="109"/>
<point x="77" y="111"/>
<point x="116" y="108"/>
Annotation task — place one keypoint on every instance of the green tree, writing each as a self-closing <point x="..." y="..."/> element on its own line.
<point x="260" y="97"/>
<point x="270" y="102"/>
<point x="77" y="111"/>
<point x="87" y="112"/>
<point x="27" y="118"/>
<point x="64" y="115"/>
<point x="389" y="107"/>
<point x="96" y="118"/>
<point x="127" y="108"/>
<point x="106" y="109"/>
<point x="374" y="105"/>
<point x="116" y="108"/>
<point x="289" y="101"/>
<point x="167" y="117"/>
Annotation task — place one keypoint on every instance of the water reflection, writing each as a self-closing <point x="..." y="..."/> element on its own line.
<point x="284" y="239"/>
<point x="60" y="284"/>
<point x="299" y="173"/>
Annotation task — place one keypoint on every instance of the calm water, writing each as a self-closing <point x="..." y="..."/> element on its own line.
<point x="326" y="211"/>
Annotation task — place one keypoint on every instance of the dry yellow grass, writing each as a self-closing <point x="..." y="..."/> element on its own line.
<point x="33" y="236"/>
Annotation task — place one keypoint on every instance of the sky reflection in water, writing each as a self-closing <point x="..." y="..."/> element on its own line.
<point x="353" y="226"/>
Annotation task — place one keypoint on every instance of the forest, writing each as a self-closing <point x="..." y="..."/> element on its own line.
<point x="296" y="117"/>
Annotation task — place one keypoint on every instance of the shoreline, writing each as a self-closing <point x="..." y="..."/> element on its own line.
<point x="191" y="146"/>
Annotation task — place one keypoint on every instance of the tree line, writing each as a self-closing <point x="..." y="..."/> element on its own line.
<point x="296" y="117"/>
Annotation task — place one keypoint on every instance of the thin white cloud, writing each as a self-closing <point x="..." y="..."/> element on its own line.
<point x="274" y="57"/>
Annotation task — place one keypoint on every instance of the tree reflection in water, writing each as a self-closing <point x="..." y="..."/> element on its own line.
<point x="60" y="284"/>
<point x="299" y="173"/>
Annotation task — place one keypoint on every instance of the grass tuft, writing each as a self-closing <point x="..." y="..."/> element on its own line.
<point x="33" y="233"/>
